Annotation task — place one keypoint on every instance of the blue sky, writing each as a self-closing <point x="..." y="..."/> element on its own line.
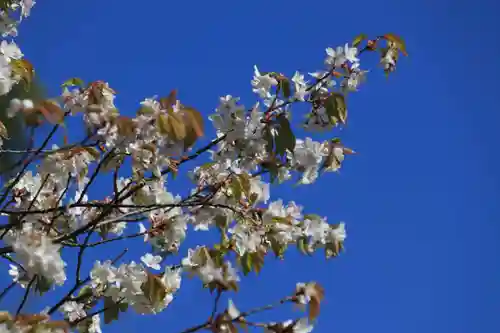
<point x="421" y="198"/>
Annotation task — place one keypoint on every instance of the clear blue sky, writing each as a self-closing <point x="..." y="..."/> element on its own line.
<point x="421" y="200"/>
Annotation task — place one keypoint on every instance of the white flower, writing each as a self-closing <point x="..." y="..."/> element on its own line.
<point x="38" y="255"/>
<point x="317" y="229"/>
<point x="302" y="326"/>
<point x="307" y="156"/>
<point x="350" y="53"/>
<point x="101" y="273"/>
<point x="14" y="272"/>
<point x="247" y="240"/>
<point x="339" y="233"/>
<point x="73" y="310"/>
<point x="10" y="51"/>
<point x="209" y="272"/>
<point x="300" y="86"/>
<point x="152" y="261"/>
<point x="232" y="311"/>
<point x="262" y="84"/>
<point x="95" y="326"/>
<point x="335" y="58"/>
<point x="172" y="279"/>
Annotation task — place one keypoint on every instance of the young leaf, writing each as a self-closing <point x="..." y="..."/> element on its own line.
<point x="257" y="259"/>
<point x="336" y="107"/>
<point x="194" y="126"/>
<point x="244" y="180"/>
<point x="74" y="82"/>
<point x="177" y="127"/>
<point x="285" y="140"/>
<point x="24" y="69"/>
<point x="167" y="102"/>
<point x="51" y="111"/>
<point x="236" y="188"/>
<point x="400" y="44"/>
<point x="126" y="126"/>
<point x="359" y="39"/>
<point x="154" y="289"/>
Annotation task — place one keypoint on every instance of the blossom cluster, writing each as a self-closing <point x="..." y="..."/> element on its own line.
<point x="50" y="211"/>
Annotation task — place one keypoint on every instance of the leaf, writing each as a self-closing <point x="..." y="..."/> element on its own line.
<point x="94" y="152"/>
<point x="314" y="307"/>
<point x="194" y="126"/>
<point x="278" y="249"/>
<point x="24" y="69"/>
<point x="123" y="307"/>
<point x="317" y="293"/>
<point x="285" y="139"/>
<point x="257" y="261"/>
<point x="359" y="39"/>
<point x="280" y="219"/>
<point x="145" y="110"/>
<point x="246" y="263"/>
<point x="171" y="124"/>
<point x="51" y="111"/>
<point x="126" y="126"/>
<point x="154" y="289"/>
<point x="3" y="131"/>
<point x="42" y="284"/>
<point x="194" y="119"/>
<point x="400" y="44"/>
<point x="336" y="107"/>
<point x="302" y="245"/>
<point x="167" y="102"/>
<point x="244" y="180"/>
<point x="75" y="81"/>
<point x="312" y="217"/>
<point x="269" y="139"/>
<point x="284" y="85"/>
<point x="112" y="311"/>
<point x="236" y="188"/>
<point x="85" y="292"/>
<point x="113" y="162"/>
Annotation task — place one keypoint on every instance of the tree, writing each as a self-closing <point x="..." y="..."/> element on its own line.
<point x="49" y="211"/>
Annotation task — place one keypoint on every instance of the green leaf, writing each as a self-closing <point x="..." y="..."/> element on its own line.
<point x="246" y="263"/>
<point x="85" y="292"/>
<point x="336" y="107"/>
<point x="123" y="307"/>
<point x="112" y="310"/>
<point x="74" y="82"/>
<point x="207" y="165"/>
<point x="269" y="139"/>
<point x="42" y="284"/>
<point x="278" y="249"/>
<point x="285" y="139"/>
<point x="221" y="222"/>
<point x="284" y="85"/>
<point x="359" y="39"/>
<point x="302" y="245"/>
